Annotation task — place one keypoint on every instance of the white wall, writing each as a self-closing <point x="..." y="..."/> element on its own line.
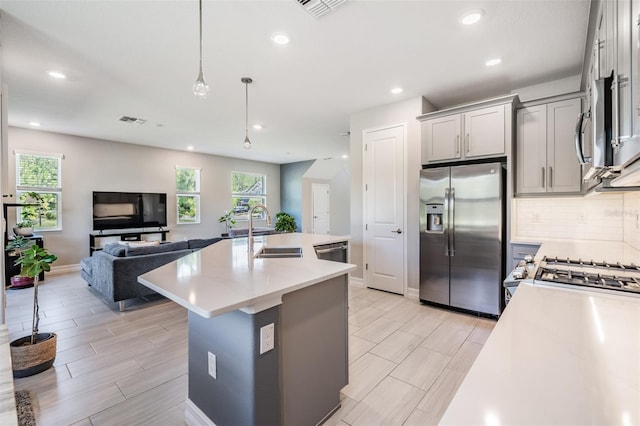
<point x="401" y="112"/>
<point x="98" y="165"/>
<point x="335" y="173"/>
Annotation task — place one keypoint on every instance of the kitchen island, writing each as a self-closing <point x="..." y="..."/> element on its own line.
<point x="559" y="355"/>
<point x="267" y="336"/>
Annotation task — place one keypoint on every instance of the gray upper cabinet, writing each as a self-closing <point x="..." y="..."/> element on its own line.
<point x="545" y="152"/>
<point x="467" y="132"/>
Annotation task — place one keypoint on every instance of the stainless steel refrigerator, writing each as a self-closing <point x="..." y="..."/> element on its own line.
<point x="462" y="209"/>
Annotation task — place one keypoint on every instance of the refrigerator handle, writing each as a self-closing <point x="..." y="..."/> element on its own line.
<point x="452" y="196"/>
<point x="446" y="222"/>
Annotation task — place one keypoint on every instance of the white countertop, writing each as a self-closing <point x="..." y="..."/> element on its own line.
<point x="223" y="277"/>
<point x="556" y="357"/>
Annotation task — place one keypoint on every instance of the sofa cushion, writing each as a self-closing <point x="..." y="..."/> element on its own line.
<point x="162" y="248"/>
<point x="86" y="264"/>
<point x="114" y="249"/>
<point x="198" y="243"/>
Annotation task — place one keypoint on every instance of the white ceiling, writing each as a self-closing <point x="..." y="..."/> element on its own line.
<point x="140" y="58"/>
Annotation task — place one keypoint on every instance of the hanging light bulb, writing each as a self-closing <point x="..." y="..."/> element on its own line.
<point x="200" y="87"/>
<point x="247" y="142"/>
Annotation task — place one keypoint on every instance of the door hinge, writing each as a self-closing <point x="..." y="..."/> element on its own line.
<point x="366" y="266"/>
<point x="366" y="187"/>
<point x="366" y="227"/>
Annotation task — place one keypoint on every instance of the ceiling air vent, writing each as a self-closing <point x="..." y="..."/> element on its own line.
<point x="317" y="8"/>
<point x="132" y="120"/>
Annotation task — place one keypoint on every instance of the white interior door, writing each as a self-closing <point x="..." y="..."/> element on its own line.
<point x="320" y="193"/>
<point x="384" y="237"/>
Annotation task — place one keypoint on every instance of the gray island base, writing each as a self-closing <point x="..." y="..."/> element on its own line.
<point x="298" y="382"/>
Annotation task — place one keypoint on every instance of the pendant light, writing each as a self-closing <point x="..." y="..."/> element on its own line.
<point x="247" y="81"/>
<point x="200" y="87"/>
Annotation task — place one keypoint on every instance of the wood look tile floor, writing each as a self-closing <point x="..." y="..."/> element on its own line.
<point x="123" y="368"/>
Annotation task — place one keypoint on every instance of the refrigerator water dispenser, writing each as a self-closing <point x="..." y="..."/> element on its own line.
<point x="434" y="218"/>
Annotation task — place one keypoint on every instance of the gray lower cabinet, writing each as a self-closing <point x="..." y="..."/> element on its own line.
<point x="296" y="383"/>
<point x="545" y="149"/>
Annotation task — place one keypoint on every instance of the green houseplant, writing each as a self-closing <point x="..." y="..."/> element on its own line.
<point x="34" y="353"/>
<point x="17" y="247"/>
<point x="30" y="213"/>
<point x="227" y="219"/>
<point x="285" y="222"/>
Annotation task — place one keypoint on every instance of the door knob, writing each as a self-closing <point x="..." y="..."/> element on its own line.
<point x="398" y="231"/>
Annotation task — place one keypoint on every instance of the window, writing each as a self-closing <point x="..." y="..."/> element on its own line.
<point x="247" y="190"/>
<point x="188" y="195"/>
<point x="42" y="174"/>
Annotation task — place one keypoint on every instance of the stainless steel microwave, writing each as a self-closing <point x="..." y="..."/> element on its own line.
<point x="599" y="164"/>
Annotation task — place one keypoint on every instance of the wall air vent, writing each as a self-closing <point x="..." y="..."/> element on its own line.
<point x="317" y="8"/>
<point x="126" y="119"/>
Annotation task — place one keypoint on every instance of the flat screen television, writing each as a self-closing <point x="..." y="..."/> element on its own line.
<point x="121" y="210"/>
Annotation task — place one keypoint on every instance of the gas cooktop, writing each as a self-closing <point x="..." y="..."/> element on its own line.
<point x="603" y="275"/>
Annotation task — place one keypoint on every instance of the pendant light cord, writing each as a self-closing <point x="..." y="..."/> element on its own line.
<point x="246" y="114"/>
<point x="200" y="37"/>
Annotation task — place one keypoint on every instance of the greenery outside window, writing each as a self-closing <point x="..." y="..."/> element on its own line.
<point x="248" y="190"/>
<point x="188" y="195"/>
<point x="42" y="174"/>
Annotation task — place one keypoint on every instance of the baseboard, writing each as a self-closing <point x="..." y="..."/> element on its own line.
<point x="356" y="282"/>
<point x="413" y="293"/>
<point x="193" y="416"/>
<point x="64" y="269"/>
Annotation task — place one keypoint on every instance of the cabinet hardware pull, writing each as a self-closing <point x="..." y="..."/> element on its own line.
<point x="550" y="177"/>
<point x="468" y="144"/>
<point x="615" y="138"/>
<point x="543" y="173"/>
<point x="457" y="144"/>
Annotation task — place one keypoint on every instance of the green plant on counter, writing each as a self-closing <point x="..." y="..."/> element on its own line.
<point x="227" y="219"/>
<point x="285" y="222"/>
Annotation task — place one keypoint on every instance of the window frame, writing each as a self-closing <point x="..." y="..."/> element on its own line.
<point x="54" y="190"/>
<point x="189" y="194"/>
<point x="262" y="197"/>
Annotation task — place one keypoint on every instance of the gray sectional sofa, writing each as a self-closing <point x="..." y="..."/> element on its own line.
<point x="114" y="270"/>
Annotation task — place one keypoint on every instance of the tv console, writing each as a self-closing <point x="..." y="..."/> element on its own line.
<point x="124" y="236"/>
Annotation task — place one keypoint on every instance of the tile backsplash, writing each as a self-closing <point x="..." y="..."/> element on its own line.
<point x="598" y="217"/>
<point x="632" y="219"/>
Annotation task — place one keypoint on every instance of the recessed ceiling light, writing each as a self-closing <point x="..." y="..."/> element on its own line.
<point x="257" y="126"/>
<point x="190" y="148"/>
<point x="280" y="38"/>
<point x="57" y="74"/>
<point x="493" y="62"/>
<point x="345" y="156"/>
<point x="471" y="17"/>
<point x="396" y="90"/>
<point x="34" y="124"/>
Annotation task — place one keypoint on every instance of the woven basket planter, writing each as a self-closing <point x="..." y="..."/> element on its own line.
<point x="28" y="359"/>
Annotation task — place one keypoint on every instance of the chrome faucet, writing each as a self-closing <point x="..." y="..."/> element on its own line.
<point x="263" y="207"/>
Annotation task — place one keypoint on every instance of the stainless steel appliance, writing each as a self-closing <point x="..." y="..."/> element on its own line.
<point x="336" y="252"/>
<point x="462" y="236"/>
<point x="599" y="163"/>
<point x="595" y="275"/>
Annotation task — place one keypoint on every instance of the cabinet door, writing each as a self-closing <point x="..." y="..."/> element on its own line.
<point x="441" y="139"/>
<point x="623" y="111"/>
<point x="563" y="169"/>
<point x="531" y="149"/>
<point x="484" y="132"/>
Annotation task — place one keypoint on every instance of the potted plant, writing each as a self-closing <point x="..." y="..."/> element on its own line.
<point x="30" y="213"/>
<point x="228" y="220"/>
<point x="285" y="222"/>
<point x="34" y="353"/>
<point x="16" y="247"/>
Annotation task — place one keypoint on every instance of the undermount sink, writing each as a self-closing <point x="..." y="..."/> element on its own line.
<point x="276" y="252"/>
